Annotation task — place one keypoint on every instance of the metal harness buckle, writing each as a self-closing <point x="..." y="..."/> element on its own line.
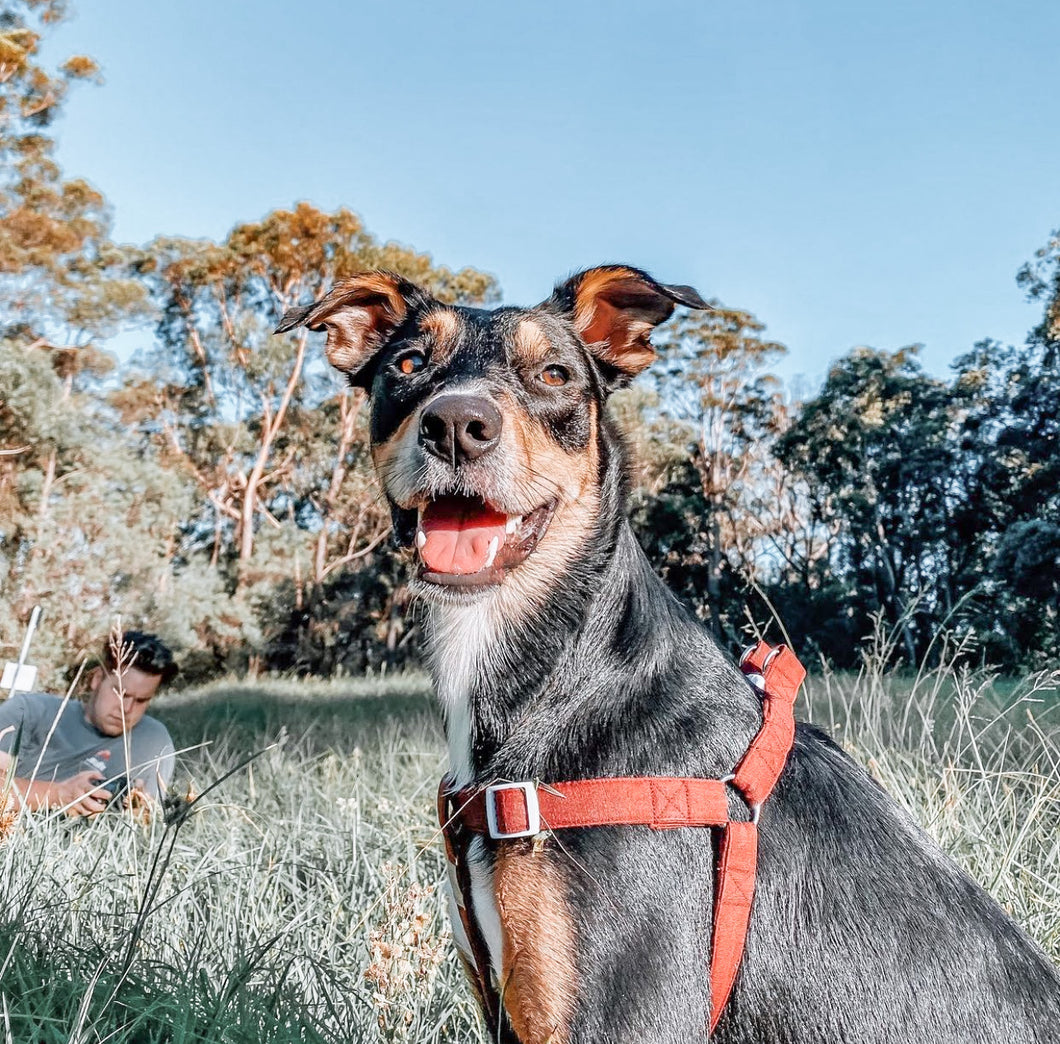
<point x="755" y="810"/>
<point x="533" y="810"/>
<point x="757" y="680"/>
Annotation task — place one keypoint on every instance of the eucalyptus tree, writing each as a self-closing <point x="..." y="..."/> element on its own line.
<point x="84" y="528"/>
<point x="63" y="282"/>
<point x="710" y="522"/>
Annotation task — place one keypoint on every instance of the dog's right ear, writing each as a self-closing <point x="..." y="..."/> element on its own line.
<point x="614" y="308"/>
<point x="359" y="315"/>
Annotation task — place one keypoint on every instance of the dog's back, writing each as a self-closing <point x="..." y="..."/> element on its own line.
<point x="863" y="931"/>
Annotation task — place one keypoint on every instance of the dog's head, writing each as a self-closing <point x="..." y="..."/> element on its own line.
<point x="487" y="427"/>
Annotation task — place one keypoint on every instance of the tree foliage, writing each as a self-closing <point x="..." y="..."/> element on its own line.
<point x="61" y="277"/>
<point x="877" y="452"/>
<point x="66" y="483"/>
<point x="702" y="517"/>
<point x="217" y="487"/>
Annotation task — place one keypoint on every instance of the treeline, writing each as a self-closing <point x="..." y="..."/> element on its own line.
<point x="215" y="487"/>
<point x="891" y="500"/>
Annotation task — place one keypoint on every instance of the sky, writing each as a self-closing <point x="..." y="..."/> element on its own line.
<point x="852" y="173"/>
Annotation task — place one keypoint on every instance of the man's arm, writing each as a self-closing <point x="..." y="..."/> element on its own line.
<point x="153" y="757"/>
<point x="79" y="795"/>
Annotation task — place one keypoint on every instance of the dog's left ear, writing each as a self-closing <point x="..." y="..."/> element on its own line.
<point x="359" y="315"/>
<point x="614" y="309"/>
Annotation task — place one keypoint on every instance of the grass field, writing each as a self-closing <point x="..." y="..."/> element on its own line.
<point x="301" y="901"/>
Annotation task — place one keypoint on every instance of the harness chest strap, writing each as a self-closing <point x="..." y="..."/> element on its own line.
<point x="511" y="810"/>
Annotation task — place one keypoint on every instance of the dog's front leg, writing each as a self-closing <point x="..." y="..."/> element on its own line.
<point x="538" y="974"/>
<point x="605" y="936"/>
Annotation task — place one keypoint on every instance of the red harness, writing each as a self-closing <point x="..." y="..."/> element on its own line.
<point x="511" y="810"/>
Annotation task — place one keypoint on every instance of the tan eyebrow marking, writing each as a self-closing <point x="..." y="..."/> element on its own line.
<point x="444" y="327"/>
<point x="531" y="342"/>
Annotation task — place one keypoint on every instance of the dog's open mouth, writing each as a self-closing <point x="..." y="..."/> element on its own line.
<point x="464" y="541"/>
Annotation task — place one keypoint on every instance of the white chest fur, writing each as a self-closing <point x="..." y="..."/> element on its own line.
<point x="483" y="908"/>
<point x="462" y="643"/>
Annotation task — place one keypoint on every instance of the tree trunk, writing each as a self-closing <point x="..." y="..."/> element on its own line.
<point x="46" y="487"/>
<point x="270" y="428"/>
<point x="348" y="409"/>
<point x="898" y="609"/>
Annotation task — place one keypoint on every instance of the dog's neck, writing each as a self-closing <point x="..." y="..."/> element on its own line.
<point x="609" y="629"/>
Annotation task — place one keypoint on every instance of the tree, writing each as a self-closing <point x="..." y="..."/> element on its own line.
<point x="1011" y="456"/>
<point x="86" y="528"/>
<point x="704" y="522"/>
<point x="878" y="452"/>
<point x="1035" y="391"/>
<point x="69" y="499"/>
<point x="62" y="280"/>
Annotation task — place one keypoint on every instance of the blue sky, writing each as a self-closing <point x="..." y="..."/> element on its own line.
<point x="853" y="173"/>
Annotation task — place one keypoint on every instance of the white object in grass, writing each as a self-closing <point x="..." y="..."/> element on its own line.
<point x="18" y="678"/>
<point x="21" y="676"/>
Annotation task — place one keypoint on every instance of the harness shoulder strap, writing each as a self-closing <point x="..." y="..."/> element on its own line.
<point x="781" y="675"/>
<point x="778" y="674"/>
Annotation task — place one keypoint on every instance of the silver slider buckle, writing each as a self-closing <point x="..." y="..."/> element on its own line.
<point x="533" y="810"/>
<point x="755" y="680"/>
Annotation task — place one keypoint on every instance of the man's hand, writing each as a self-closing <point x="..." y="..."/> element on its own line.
<point x="80" y="795"/>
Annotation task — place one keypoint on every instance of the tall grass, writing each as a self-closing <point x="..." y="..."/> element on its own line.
<point x="974" y="758"/>
<point x="300" y="901"/>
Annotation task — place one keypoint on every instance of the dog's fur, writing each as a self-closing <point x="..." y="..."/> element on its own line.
<point x="573" y="661"/>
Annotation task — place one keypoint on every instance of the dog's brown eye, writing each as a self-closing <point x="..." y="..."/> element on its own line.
<point x="410" y="363"/>
<point x="555" y="376"/>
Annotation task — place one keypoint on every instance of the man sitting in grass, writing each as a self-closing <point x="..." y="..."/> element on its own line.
<point x="68" y="750"/>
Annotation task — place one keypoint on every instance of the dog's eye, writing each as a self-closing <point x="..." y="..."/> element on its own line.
<point x="554" y="376"/>
<point x="411" y="362"/>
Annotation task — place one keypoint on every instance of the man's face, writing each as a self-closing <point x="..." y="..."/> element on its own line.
<point x="117" y="704"/>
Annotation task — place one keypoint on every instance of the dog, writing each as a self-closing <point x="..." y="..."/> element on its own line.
<point x="558" y="654"/>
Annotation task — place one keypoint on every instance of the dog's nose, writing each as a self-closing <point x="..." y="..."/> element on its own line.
<point x="460" y="427"/>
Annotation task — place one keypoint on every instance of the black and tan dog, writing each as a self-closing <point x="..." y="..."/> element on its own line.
<point x="558" y="655"/>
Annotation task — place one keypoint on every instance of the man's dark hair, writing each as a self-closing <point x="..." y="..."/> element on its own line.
<point x="145" y="652"/>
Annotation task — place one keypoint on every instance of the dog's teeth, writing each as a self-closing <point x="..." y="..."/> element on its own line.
<point x="513" y="523"/>
<point x="494" y="544"/>
<point x="421" y="538"/>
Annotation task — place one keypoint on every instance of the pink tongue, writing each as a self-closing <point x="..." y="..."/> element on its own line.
<point x="459" y="532"/>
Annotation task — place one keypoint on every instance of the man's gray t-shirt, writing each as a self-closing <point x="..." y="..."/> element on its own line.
<point x="74" y="744"/>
